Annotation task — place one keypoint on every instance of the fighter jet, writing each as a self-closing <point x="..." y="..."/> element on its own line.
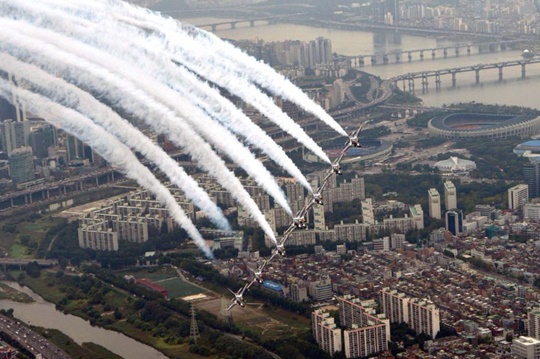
<point x="280" y="246"/>
<point x="317" y="197"/>
<point x="300" y="221"/>
<point x="353" y="139"/>
<point x="336" y="168"/>
<point x="257" y="274"/>
<point x="238" y="298"/>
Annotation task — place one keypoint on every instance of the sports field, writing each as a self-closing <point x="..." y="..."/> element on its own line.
<point x="176" y="287"/>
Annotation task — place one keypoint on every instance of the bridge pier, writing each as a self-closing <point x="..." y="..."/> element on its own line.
<point x="361" y="61"/>
<point x="503" y="47"/>
<point x="468" y="49"/>
<point x="398" y="57"/>
<point x="433" y="54"/>
<point x="457" y="51"/>
<point x="404" y="87"/>
<point x="214" y="28"/>
<point x="411" y="85"/>
<point x="424" y="83"/>
<point x="11" y="202"/>
<point x="523" y="73"/>
<point x="477" y="71"/>
<point x="409" y="56"/>
<point x="373" y="60"/>
<point x="453" y="79"/>
<point x="97" y="181"/>
<point x="445" y="53"/>
<point x="500" y="73"/>
<point x="385" y="59"/>
<point x="437" y="81"/>
<point x="421" y="55"/>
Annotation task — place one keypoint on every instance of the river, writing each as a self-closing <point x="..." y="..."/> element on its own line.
<point x="511" y="91"/>
<point x="44" y="314"/>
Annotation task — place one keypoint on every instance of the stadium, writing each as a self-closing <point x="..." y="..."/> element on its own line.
<point x="492" y="126"/>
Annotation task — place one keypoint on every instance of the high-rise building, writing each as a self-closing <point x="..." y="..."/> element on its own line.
<point x="41" y="138"/>
<point x="14" y="135"/>
<point x="434" y="202"/>
<point x="454" y="222"/>
<point x="394" y="305"/>
<point x="534" y="323"/>
<point x="518" y="196"/>
<point x="418" y="215"/>
<point x="366" y="334"/>
<point x="421" y="315"/>
<point x="531" y="211"/>
<point x="14" y="109"/>
<point x="325" y="332"/>
<point x="75" y="148"/>
<point x="531" y="176"/>
<point x="368" y="217"/>
<point x="526" y="347"/>
<point x="385" y="9"/>
<point x="21" y="165"/>
<point x="424" y="317"/>
<point x="450" y="196"/>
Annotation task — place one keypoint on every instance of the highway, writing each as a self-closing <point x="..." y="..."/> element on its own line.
<point x="30" y="340"/>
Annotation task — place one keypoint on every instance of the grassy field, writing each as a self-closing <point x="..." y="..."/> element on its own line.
<point x="6" y="292"/>
<point x="11" y="238"/>
<point x="168" y="278"/>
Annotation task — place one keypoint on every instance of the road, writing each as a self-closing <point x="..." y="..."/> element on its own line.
<point x="30" y="340"/>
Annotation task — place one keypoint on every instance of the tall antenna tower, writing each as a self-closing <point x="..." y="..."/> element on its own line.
<point x="194" y="329"/>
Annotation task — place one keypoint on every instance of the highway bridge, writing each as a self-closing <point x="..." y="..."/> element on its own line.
<point x="231" y="24"/>
<point x="31" y="341"/>
<point x="410" y="78"/>
<point x="384" y="58"/>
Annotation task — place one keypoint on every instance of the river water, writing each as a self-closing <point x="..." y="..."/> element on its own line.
<point x="44" y="314"/>
<point x="513" y="90"/>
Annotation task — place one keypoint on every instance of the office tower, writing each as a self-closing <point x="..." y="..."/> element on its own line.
<point x="41" y="138"/>
<point x="434" y="202"/>
<point x="11" y="110"/>
<point x="325" y="332"/>
<point x="21" y="165"/>
<point x="368" y="217"/>
<point x="531" y="176"/>
<point x="534" y="323"/>
<point x="450" y="196"/>
<point x="454" y="222"/>
<point x="418" y="215"/>
<point x="75" y="148"/>
<point x="518" y="196"/>
<point x="14" y="135"/>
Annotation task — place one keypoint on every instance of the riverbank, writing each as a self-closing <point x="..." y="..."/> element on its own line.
<point x="87" y="322"/>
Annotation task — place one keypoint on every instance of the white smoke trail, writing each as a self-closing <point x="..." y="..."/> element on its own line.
<point x="244" y="64"/>
<point x="107" y="146"/>
<point x="130" y="97"/>
<point x="199" y="120"/>
<point x="221" y="109"/>
<point x="63" y="92"/>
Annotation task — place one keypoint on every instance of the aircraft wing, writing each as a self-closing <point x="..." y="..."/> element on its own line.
<point x="231" y="306"/>
<point x="233" y="293"/>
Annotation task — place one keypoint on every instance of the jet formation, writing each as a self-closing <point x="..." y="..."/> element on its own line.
<point x="299" y="221"/>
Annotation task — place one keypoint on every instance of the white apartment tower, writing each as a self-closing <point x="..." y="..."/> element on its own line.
<point x="450" y="196"/>
<point x="366" y="334"/>
<point x="434" y="203"/>
<point x="325" y="332"/>
<point x="526" y="347"/>
<point x="418" y="215"/>
<point x="421" y="315"/>
<point x="534" y="323"/>
<point x="518" y="196"/>
<point x="367" y="211"/>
